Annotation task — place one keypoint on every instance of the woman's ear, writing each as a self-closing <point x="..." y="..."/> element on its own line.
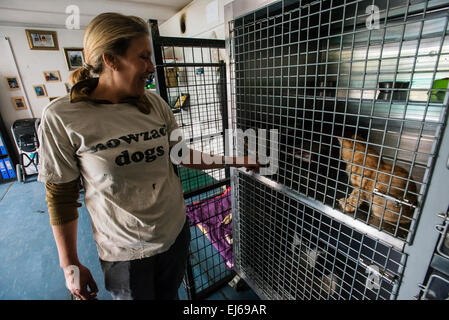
<point x="110" y="61"/>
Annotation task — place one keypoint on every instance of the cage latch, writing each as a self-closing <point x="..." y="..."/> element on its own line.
<point x="397" y="201"/>
<point x="387" y="276"/>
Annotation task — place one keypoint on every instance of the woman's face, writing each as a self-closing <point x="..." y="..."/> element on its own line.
<point x="134" y="67"/>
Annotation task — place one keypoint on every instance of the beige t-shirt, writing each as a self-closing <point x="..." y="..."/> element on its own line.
<point x="132" y="193"/>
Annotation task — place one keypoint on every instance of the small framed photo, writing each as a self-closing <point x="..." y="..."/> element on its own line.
<point x="68" y="87"/>
<point x="52" y="76"/>
<point x="74" y="57"/>
<point x="40" y="90"/>
<point x="42" y="40"/>
<point x="13" y="83"/>
<point x="52" y="98"/>
<point x="182" y="101"/>
<point x="19" y="103"/>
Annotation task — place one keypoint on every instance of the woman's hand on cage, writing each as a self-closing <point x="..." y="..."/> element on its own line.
<point x="249" y="162"/>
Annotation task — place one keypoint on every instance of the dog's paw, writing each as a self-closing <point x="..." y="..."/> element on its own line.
<point x="346" y="207"/>
<point x="341" y="202"/>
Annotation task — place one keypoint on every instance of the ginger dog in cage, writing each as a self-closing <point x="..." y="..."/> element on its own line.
<point x="364" y="180"/>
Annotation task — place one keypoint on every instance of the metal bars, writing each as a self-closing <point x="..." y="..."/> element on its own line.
<point x="358" y="91"/>
<point x="318" y="72"/>
<point x="191" y="78"/>
<point x="289" y="250"/>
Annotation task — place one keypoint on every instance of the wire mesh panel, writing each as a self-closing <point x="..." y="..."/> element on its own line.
<point x="289" y="250"/>
<point x="211" y="252"/>
<point x="192" y="79"/>
<point x="358" y="92"/>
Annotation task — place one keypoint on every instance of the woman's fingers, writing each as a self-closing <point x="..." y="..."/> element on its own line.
<point x="88" y="283"/>
<point x="76" y="294"/>
<point x="93" y="287"/>
<point x="252" y="164"/>
<point x="254" y="169"/>
<point x="83" y="293"/>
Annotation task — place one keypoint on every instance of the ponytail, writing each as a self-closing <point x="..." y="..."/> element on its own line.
<point x="82" y="73"/>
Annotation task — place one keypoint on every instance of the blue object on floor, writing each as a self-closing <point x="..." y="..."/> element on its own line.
<point x="3" y="170"/>
<point x="29" y="264"/>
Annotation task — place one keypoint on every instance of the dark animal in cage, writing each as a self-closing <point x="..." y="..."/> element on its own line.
<point x="386" y="191"/>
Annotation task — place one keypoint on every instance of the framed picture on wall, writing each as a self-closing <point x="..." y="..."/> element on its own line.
<point x="13" y="83"/>
<point x="40" y="90"/>
<point x="42" y="40"/>
<point x="52" y="76"/>
<point x="74" y="57"/>
<point x="19" y="103"/>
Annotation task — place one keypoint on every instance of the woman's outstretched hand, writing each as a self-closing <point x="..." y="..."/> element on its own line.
<point x="249" y="162"/>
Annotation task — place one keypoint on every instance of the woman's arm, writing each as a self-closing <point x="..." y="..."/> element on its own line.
<point x="202" y="161"/>
<point x="65" y="238"/>
<point x="62" y="208"/>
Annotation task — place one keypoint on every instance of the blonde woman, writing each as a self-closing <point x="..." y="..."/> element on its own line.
<point x="114" y="137"/>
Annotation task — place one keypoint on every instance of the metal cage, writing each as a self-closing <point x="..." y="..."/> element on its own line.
<point x="306" y="254"/>
<point x="191" y="77"/>
<point x="358" y="91"/>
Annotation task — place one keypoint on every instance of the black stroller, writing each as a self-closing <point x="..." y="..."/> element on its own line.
<point x="25" y="135"/>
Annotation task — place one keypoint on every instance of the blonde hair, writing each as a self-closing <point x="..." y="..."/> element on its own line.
<point x="108" y="33"/>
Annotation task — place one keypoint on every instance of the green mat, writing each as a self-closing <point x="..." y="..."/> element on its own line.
<point x="192" y="179"/>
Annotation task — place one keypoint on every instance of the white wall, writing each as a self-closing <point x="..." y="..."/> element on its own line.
<point x="18" y="15"/>
<point x="204" y="19"/>
<point x="52" y="13"/>
<point x="31" y="64"/>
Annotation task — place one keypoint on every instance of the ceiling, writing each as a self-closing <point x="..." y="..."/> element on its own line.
<point x="52" y="13"/>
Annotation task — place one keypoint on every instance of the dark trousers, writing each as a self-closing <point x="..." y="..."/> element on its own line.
<point x="156" y="277"/>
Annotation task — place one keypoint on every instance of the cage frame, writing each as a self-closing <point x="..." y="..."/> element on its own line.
<point x="158" y="43"/>
<point x="418" y="251"/>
